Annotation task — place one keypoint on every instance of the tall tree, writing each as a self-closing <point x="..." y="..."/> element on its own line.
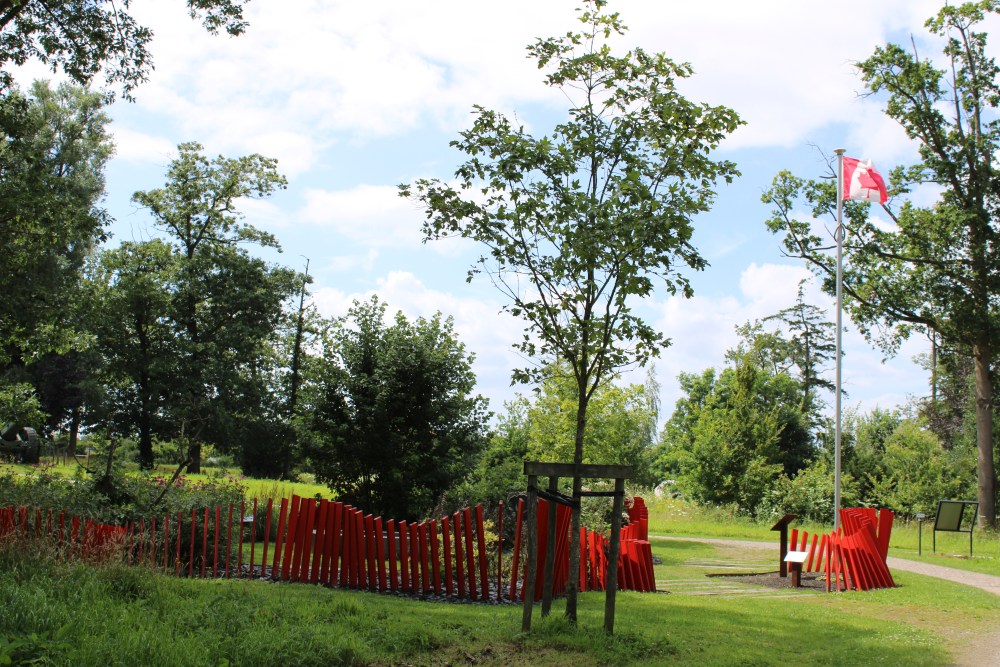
<point x="54" y="145"/>
<point x="393" y="422"/>
<point x="935" y="269"/>
<point x="225" y="303"/>
<point x="82" y="37"/>
<point x="582" y="223"/>
<point x="132" y="287"/>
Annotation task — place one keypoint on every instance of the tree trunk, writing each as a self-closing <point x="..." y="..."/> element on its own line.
<point x="574" y="525"/>
<point x="984" y="436"/>
<point x="194" y="456"/>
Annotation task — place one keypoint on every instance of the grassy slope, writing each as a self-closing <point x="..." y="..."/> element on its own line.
<point x="85" y="615"/>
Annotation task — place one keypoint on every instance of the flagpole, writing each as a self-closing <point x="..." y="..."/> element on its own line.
<point x="839" y="236"/>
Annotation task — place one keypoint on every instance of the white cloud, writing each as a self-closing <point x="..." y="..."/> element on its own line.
<point x="374" y="215"/>
<point x="133" y="146"/>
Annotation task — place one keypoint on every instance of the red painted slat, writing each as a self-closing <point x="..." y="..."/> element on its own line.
<point x="339" y="574"/>
<point x="204" y="543"/>
<point x="303" y="531"/>
<point x="449" y="585"/>
<point x="392" y="553"/>
<point x="329" y="563"/>
<point x="279" y="540"/>
<point x="404" y="557"/>
<point x="229" y="538"/>
<point x="425" y="574"/>
<point x="215" y="549"/>
<point x="435" y="556"/>
<point x="500" y="552"/>
<point x="518" y="523"/>
<point x="380" y="553"/>
<point x="484" y="577"/>
<point x="191" y="555"/>
<point x="319" y="541"/>
<point x="459" y="566"/>
<point x="239" y="550"/>
<point x="414" y="558"/>
<point x="359" y="542"/>
<point x="290" y="535"/>
<point x="469" y="555"/>
<point x="371" y="549"/>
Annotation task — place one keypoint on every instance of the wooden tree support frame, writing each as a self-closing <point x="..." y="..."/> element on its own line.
<point x="535" y="469"/>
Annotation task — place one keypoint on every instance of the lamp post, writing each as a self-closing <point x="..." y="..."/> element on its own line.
<point x="920" y="533"/>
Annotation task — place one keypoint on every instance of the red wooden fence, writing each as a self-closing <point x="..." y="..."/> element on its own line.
<point x="333" y="544"/>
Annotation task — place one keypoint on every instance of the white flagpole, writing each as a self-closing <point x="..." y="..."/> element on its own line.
<point x="839" y="236"/>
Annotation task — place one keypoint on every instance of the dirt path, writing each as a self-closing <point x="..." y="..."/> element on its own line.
<point x="971" y="650"/>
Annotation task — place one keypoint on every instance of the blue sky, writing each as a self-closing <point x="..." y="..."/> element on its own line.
<point x="355" y="98"/>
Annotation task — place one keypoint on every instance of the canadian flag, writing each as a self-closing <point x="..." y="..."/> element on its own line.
<point x="862" y="182"/>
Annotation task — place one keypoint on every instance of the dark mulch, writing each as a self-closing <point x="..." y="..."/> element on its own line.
<point x="811" y="581"/>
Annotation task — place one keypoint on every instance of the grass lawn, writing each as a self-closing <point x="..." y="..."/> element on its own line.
<point x="77" y="614"/>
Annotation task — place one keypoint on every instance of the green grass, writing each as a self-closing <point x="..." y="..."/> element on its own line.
<point x="77" y="614"/>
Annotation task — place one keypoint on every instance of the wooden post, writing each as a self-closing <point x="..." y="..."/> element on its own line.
<point x="550" y="550"/>
<point x="616" y="529"/>
<point x="528" y="587"/>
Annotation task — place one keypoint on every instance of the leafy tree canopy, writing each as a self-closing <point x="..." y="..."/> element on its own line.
<point x="84" y="37"/>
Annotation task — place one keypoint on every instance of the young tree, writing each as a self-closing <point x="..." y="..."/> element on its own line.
<point x="935" y="270"/>
<point x="82" y="37"/>
<point x="581" y="224"/>
<point x="224" y="303"/>
<point x="393" y="422"/>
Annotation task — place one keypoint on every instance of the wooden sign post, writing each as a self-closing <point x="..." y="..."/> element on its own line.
<point x="535" y="469"/>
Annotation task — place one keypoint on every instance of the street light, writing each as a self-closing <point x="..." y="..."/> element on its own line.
<point x="920" y="533"/>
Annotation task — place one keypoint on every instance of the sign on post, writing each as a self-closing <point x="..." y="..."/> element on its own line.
<point x="956" y="516"/>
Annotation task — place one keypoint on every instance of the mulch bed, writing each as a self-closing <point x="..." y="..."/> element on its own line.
<point x="810" y="581"/>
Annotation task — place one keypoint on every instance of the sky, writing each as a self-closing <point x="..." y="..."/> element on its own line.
<point x="355" y="98"/>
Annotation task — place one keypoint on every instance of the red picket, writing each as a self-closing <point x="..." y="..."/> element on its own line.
<point x="215" y="550"/>
<point x="336" y="562"/>
<point x="469" y="556"/>
<point x="370" y="549"/>
<point x="435" y="560"/>
<point x="204" y="543"/>
<point x="380" y="553"/>
<point x="191" y="555"/>
<point x="229" y="538"/>
<point x="328" y="553"/>
<point x="500" y="552"/>
<point x="253" y="534"/>
<point x="177" y="559"/>
<point x="459" y="566"/>
<point x="239" y="551"/>
<point x="414" y="558"/>
<point x="484" y="580"/>
<point x="275" y="571"/>
<point x="582" y="585"/>
<point x="290" y="535"/>
<point x="449" y="585"/>
<point x="319" y="541"/>
<point x="297" y="541"/>
<point x="404" y="557"/>
<point x="359" y="545"/>
<point x="390" y="536"/>
<point x="425" y="575"/>
<point x="166" y="541"/>
<point x="347" y="558"/>
<point x="517" y="548"/>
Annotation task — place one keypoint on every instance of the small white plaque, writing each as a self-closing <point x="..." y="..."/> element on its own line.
<point x="796" y="556"/>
